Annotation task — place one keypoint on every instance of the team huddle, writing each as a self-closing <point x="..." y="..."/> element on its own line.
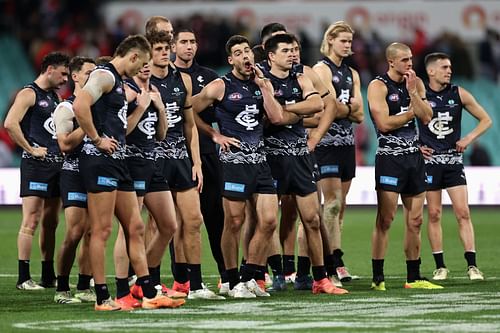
<point x="139" y="130"/>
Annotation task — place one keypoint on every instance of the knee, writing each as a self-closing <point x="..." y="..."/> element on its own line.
<point x="75" y="234"/>
<point x="136" y="229"/>
<point x="167" y="229"/>
<point x="416" y="222"/>
<point x="234" y="224"/>
<point x="463" y="216"/>
<point x="102" y="232"/>
<point x="384" y="222"/>
<point x="311" y="222"/>
<point x="193" y="224"/>
<point x="268" y="225"/>
<point x="434" y="215"/>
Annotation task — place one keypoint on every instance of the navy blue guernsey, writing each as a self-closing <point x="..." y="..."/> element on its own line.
<point x="286" y="140"/>
<point x="239" y="115"/>
<point x="173" y="94"/>
<point x="341" y="132"/>
<point x="444" y="130"/>
<point x="403" y="140"/>
<point x="200" y="77"/>
<point x="109" y="114"/>
<point x="71" y="159"/>
<point x="37" y="124"/>
<point x="141" y="141"/>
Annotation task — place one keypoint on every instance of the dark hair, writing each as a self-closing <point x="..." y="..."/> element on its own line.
<point x="258" y="53"/>
<point x="54" y="59"/>
<point x="271" y="45"/>
<point x="235" y="40"/>
<point x="159" y="37"/>
<point x="133" y="42"/>
<point x="432" y="57"/>
<point x="269" y="29"/>
<point x="153" y="21"/>
<point x="76" y="63"/>
<point x="103" y="60"/>
<point x="183" y="29"/>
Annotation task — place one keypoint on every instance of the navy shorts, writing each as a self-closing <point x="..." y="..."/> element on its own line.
<point x="73" y="192"/>
<point x="146" y="175"/>
<point x="403" y="174"/>
<point x="177" y="172"/>
<point x="241" y="181"/>
<point x="336" y="162"/>
<point x="293" y="174"/>
<point x="441" y="176"/>
<point x="105" y="174"/>
<point x="40" y="178"/>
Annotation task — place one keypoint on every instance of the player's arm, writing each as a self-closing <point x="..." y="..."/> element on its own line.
<point x="191" y="132"/>
<point x="478" y="112"/>
<point x="212" y="92"/>
<point x="355" y="106"/>
<point x="311" y="102"/>
<point x="377" y="92"/>
<point x="162" y="124"/>
<point x="275" y="112"/>
<point x="24" y="100"/>
<point x="67" y="138"/>
<point x="418" y="103"/>
<point x="99" y="83"/>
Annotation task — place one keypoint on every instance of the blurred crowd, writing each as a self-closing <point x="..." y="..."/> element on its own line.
<point x="78" y="28"/>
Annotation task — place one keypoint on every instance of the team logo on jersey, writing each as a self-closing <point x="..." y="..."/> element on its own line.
<point x="173" y="116"/>
<point x="200" y="79"/>
<point x="349" y="80"/>
<point x="432" y="104"/>
<point x="295" y="91"/>
<point x="258" y="93"/>
<point x="122" y="114"/>
<point x="147" y="125"/>
<point x="394" y="97"/>
<point x="439" y="125"/>
<point x="50" y="127"/>
<point x="450" y="102"/>
<point x="344" y="96"/>
<point x="43" y="103"/>
<point x="246" y="118"/>
<point x="278" y="93"/>
<point x="336" y="79"/>
<point x="236" y="96"/>
<point x="119" y="90"/>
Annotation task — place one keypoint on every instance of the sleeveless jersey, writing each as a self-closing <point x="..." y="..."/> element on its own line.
<point x="444" y="130"/>
<point x="286" y="140"/>
<point x="341" y="132"/>
<point x="239" y="115"/>
<point x="173" y="94"/>
<point x="141" y="141"/>
<point x="403" y="140"/>
<point x="200" y="77"/>
<point x="37" y="124"/>
<point x="109" y="114"/>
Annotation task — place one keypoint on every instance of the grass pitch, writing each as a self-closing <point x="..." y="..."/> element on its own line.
<point x="463" y="306"/>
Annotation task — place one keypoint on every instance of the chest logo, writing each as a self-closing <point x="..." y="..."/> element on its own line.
<point x="246" y="118"/>
<point x="439" y="125"/>
<point x="147" y="125"/>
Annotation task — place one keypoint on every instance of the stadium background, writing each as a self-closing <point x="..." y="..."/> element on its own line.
<point x="468" y="30"/>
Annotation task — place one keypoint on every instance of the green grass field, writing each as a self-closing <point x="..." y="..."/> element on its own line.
<point x="463" y="306"/>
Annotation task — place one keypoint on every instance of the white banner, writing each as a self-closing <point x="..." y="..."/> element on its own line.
<point x="483" y="185"/>
<point x="391" y="20"/>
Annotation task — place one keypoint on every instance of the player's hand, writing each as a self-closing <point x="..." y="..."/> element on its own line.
<point x="312" y="143"/>
<point x="355" y="105"/>
<point x="143" y="99"/>
<point x="40" y="152"/>
<point x="260" y="80"/>
<point x="107" y="145"/>
<point x="198" y="176"/>
<point x="461" y="145"/>
<point x="156" y="99"/>
<point x="426" y="152"/>
<point x="225" y="142"/>
<point x="411" y="81"/>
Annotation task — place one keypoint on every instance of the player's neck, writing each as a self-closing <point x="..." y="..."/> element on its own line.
<point x="336" y="59"/>
<point x="43" y="82"/>
<point x="240" y="76"/>
<point x="144" y="84"/>
<point x="436" y="86"/>
<point x="183" y="64"/>
<point x="395" y="76"/>
<point x="279" y="73"/>
<point x="159" y="71"/>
